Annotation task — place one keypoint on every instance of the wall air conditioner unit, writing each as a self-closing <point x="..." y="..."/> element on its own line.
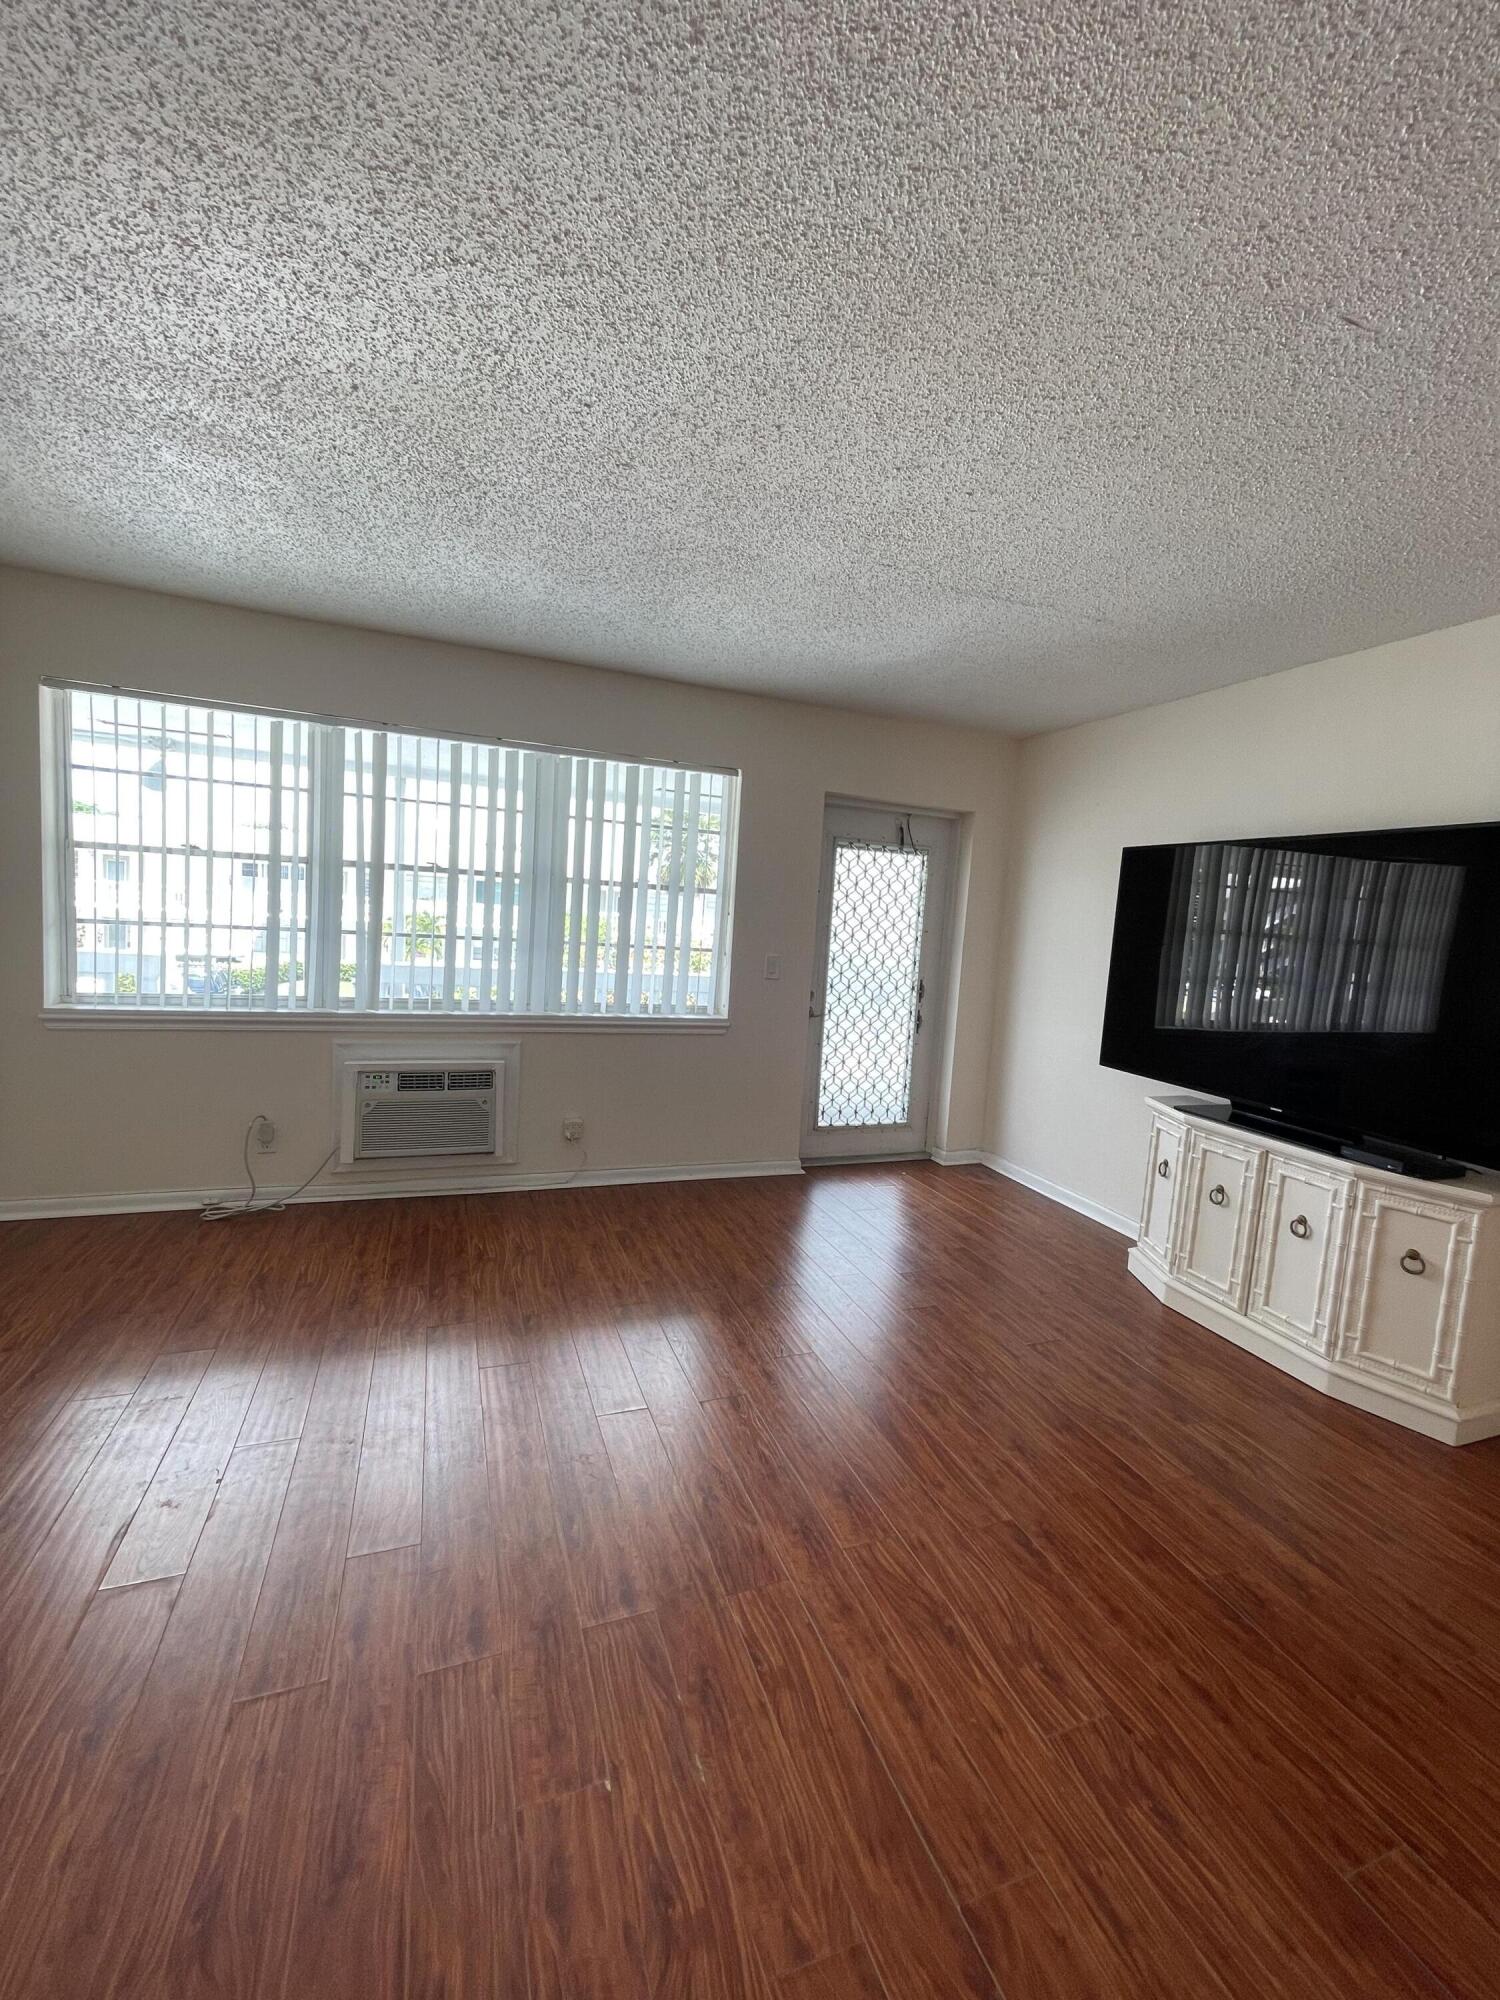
<point x="435" y="1102"/>
<point x="427" y="1108"/>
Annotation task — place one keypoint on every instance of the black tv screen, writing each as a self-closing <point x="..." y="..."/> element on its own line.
<point x="1347" y="984"/>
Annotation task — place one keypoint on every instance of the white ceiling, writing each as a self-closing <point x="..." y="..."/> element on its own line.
<point x="1009" y="363"/>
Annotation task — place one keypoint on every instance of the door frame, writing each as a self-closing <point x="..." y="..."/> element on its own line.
<point x="914" y="1140"/>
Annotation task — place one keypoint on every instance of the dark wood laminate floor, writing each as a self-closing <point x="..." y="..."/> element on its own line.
<point x="851" y="1588"/>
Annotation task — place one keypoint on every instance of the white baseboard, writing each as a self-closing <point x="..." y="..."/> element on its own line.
<point x="1123" y="1225"/>
<point x="966" y="1156"/>
<point x="146" y="1201"/>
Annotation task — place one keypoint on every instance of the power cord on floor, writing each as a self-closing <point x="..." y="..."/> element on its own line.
<point x="220" y="1211"/>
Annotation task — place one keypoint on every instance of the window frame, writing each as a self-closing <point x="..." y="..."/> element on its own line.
<point x="62" y="1007"/>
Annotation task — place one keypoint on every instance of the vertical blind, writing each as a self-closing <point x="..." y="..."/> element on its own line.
<point x="1273" y="938"/>
<point x="212" y="859"/>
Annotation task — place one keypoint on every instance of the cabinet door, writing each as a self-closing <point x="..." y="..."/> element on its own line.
<point x="1408" y="1273"/>
<point x="1223" y="1180"/>
<point x="1299" y="1251"/>
<point x="1163" y="1164"/>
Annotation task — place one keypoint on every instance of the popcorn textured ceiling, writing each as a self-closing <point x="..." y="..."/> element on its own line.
<point x="1008" y="363"/>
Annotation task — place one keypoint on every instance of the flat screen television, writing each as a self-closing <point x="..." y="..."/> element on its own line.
<point x="1343" y="987"/>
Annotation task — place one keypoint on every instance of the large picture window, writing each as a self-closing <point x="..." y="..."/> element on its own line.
<point x="214" y="860"/>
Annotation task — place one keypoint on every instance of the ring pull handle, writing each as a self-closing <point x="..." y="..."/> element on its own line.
<point x="1218" y="1195"/>
<point x="1164" y="1167"/>
<point x="1300" y="1227"/>
<point x="1414" y="1262"/>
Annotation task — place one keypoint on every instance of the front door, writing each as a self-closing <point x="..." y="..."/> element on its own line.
<point x="882" y="922"/>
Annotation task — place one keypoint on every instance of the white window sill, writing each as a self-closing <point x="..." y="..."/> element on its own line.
<point x="385" y="1024"/>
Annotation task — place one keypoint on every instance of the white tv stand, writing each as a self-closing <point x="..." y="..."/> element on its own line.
<point x="1380" y="1290"/>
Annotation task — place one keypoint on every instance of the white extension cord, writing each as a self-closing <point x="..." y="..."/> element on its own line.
<point x="220" y="1211"/>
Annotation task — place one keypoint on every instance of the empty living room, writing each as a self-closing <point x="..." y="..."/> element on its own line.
<point x="750" y="1007"/>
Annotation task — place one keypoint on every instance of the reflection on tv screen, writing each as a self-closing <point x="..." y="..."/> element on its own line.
<point x="1275" y="940"/>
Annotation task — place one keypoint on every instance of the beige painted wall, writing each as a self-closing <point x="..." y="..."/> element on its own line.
<point x="1408" y="732"/>
<point x="102" y="1110"/>
<point x="1402" y="734"/>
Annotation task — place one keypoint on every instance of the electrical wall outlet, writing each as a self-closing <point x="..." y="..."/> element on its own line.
<point x="266" y="1137"/>
<point x="573" y="1131"/>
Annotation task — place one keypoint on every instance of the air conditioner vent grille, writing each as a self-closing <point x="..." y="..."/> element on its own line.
<point x="392" y="1130"/>
<point x="471" y="1079"/>
<point x="421" y="1079"/>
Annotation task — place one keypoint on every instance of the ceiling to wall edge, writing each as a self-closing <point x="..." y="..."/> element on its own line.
<point x="500" y="655"/>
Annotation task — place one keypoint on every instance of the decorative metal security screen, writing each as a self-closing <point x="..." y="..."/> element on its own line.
<point x="872" y="986"/>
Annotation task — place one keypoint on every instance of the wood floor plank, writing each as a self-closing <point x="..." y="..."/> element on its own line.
<point x="606" y="1576"/>
<point x="554" y="1744"/>
<point x="668" y="1549"/>
<point x="689" y="1915"/>
<point x="49" y="1597"/>
<point x="1041" y="1674"/>
<point x="388" y="1492"/>
<point x="1452" y="1940"/>
<point x="112" y="1926"/>
<point x="165" y="1528"/>
<point x="108" y="1352"/>
<point x="351" y="1937"/>
<point x="235" y="1931"/>
<point x="533" y="1570"/>
<point x="48" y="1802"/>
<point x="1424" y="1800"/>
<point x="459" y="1612"/>
<point x="706" y="1361"/>
<point x="798" y="1537"/>
<point x="500" y="1338"/>
<point x="279" y="1406"/>
<point x="659" y="1374"/>
<point x="848" y="1511"/>
<point x="848" y="1976"/>
<point x="606" y="1367"/>
<point x="795" y="1909"/>
<point x="1037" y="1955"/>
<point x="1132" y="1581"/>
<point x="920" y="1944"/>
<point x="44" y="1479"/>
<point x="964" y="1826"/>
<point x="1354" y="1654"/>
<point x="729" y="1524"/>
<point x="1220" y="1864"/>
<point x="464" y="1894"/>
<point x="1058" y="1818"/>
<point x="581" y="1936"/>
<point x="293" y="1629"/>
